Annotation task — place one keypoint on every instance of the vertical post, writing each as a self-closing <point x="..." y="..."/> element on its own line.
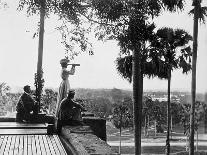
<point x="155" y="124"/>
<point x="171" y="126"/>
<point x="168" y="114"/>
<point x="120" y="129"/>
<point x="148" y="124"/>
<point x="137" y="100"/>
<point x="40" y="51"/>
<point x="196" y="4"/>
<point x="196" y="140"/>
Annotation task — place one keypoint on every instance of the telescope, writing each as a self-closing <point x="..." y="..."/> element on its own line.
<point x="74" y="64"/>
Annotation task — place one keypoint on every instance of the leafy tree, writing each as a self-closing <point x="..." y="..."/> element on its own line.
<point x="199" y="116"/>
<point x="176" y="111"/>
<point x="116" y="95"/>
<point x="12" y="100"/>
<point x="4" y="89"/>
<point x="154" y="111"/>
<point x="100" y="107"/>
<point x="49" y="101"/>
<point x="147" y="113"/>
<point x="121" y="119"/>
<point x="199" y="14"/>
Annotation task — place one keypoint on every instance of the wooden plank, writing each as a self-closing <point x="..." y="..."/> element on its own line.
<point x="54" y="145"/>
<point x="29" y="141"/>
<point x="1" y="140"/>
<point x="37" y="143"/>
<point x="6" y="150"/>
<point x="11" y="149"/>
<point x="52" y="151"/>
<point x="46" y="145"/>
<point x="16" y="125"/>
<point x="23" y="131"/>
<point x="59" y="145"/>
<point x="21" y="144"/>
<point x="25" y="145"/>
<point x="16" y="146"/>
<point x="42" y="145"/>
<point x="3" y="145"/>
<point x="33" y="145"/>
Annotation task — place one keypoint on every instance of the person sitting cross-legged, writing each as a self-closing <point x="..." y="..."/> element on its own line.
<point x="25" y="106"/>
<point x="70" y="111"/>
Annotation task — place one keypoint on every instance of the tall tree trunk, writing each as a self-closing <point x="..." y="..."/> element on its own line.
<point x="120" y="141"/>
<point x="148" y="124"/>
<point x="196" y="140"/>
<point x="196" y="4"/>
<point x="120" y="131"/>
<point x="40" y="50"/>
<point x="145" y="125"/>
<point x="155" y="128"/>
<point x="168" y="114"/>
<point x="137" y="100"/>
<point x="171" y="125"/>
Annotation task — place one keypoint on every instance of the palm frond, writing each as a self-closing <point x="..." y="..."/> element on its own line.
<point x="108" y="9"/>
<point x="173" y="5"/>
<point x="201" y="15"/>
<point x="124" y="67"/>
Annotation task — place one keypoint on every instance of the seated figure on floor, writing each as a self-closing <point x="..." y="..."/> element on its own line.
<point x="25" y="106"/>
<point x="70" y="111"/>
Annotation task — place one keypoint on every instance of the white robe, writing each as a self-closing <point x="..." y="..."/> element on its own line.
<point x="64" y="86"/>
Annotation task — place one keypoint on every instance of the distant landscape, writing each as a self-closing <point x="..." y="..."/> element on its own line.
<point x="103" y="102"/>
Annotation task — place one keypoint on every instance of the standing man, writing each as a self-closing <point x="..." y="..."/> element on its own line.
<point x="25" y="106"/>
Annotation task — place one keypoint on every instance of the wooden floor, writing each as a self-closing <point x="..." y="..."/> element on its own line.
<point x="14" y="128"/>
<point x="28" y="139"/>
<point x="31" y="145"/>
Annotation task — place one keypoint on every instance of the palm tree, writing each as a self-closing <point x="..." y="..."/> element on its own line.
<point x="174" y="45"/>
<point x="199" y="13"/>
<point x="166" y="45"/>
<point x="137" y="77"/>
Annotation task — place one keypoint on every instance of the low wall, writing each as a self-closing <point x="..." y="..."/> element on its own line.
<point x="80" y="140"/>
<point x="98" y="126"/>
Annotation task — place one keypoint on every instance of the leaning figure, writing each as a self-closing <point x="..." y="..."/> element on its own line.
<point x="64" y="85"/>
<point x="69" y="112"/>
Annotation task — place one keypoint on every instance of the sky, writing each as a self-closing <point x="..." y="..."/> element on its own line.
<point x="18" y="55"/>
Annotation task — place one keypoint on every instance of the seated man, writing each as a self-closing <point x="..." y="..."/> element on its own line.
<point x="25" y="106"/>
<point x="70" y="111"/>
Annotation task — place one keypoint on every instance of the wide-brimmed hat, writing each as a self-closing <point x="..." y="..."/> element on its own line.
<point x="26" y="87"/>
<point x="71" y="92"/>
<point x="64" y="61"/>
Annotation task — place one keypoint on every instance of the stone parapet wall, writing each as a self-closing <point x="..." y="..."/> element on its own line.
<point x="98" y="126"/>
<point x="80" y="140"/>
